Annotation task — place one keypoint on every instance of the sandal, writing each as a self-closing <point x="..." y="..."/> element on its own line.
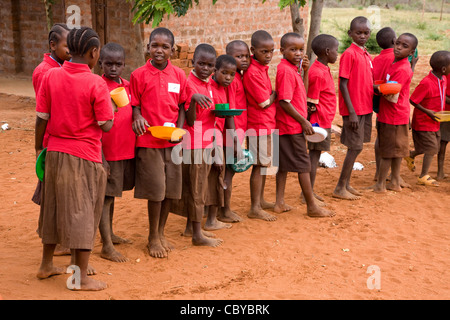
<point x="410" y="163"/>
<point x="426" y="180"/>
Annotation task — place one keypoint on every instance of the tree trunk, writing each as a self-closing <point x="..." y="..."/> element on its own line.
<point x="314" y="26"/>
<point x="297" y="21"/>
<point x="49" y="13"/>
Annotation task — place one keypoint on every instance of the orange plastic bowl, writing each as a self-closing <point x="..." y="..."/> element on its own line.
<point x="167" y="133"/>
<point x="390" y="88"/>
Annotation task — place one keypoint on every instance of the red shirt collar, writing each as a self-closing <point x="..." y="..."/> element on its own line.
<point x="48" y="59"/>
<point x="257" y="64"/>
<point x="112" y="82"/>
<point x="290" y="65"/>
<point x="154" y="70"/>
<point x="76" y="67"/>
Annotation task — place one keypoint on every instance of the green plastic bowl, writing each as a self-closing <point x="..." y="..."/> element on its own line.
<point x="244" y="164"/>
<point x="40" y="165"/>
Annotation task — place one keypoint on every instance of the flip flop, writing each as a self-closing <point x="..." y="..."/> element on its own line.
<point x="410" y="163"/>
<point x="426" y="180"/>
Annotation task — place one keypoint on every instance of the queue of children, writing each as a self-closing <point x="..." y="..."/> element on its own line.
<point x="96" y="151"/>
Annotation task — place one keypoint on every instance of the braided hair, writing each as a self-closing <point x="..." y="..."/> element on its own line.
<point x="81" y="40"/>
<point x="56" y="32"/>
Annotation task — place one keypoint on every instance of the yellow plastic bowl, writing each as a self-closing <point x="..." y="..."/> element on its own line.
<point x="443" y="116"/>
<point x="167" y="133"/>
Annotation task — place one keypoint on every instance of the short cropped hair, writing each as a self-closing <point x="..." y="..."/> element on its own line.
<point x="359" y="20"/>
<point x="204" y="48"/>
<point x="229" y="49"/>
<point x="440" y="59"/>
<point x="225" y="59"/>
<point x="79" y="41"/>
<point x="163" y="31"/>
<point x="111" y="47"/>
<point x="260" y="36"/>
<point x="288" y="35"/>
<point x="413" y="37"/>
<point x="385" y="36"/>
<point x="322" y="42"/>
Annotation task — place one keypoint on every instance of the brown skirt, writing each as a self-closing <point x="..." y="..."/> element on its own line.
<point x="426" y="142"/>
<point x="393" y="140"/>
<point x="294" y="155"/>
<point x="72" y="201"/>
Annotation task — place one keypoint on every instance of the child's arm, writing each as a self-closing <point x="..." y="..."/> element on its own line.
<point x="428" y="112"/>
<point x="107" y="125"/>
<point x="447" y="99"/>
<point x="290" y="110"/>
<point x="311" y="108"/>
<point x="181" y="116"/>
<point x="352" y="115"/>
<point x="139" y="123"/>
<point x="40" y="127"/>
<point x="191" y="113"/>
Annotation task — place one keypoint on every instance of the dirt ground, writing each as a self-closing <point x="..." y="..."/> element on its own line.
<point x="404" y="234"/>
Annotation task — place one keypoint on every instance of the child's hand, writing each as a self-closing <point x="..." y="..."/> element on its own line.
<point x="311" y="108"/>
<point x="305" y="63"/>
<point x="307" y="127"/>
<point x="353" y="118"/>
<point x="140" y="125"/>
<point x="114" y="106"/>
<point x="204" y="101"/>
<point x="431" y="114"/>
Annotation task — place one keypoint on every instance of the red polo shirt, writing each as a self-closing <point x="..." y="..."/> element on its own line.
<point x="159" y="94"/>
<point x="428" y="96"/>
<point x="238" y="100"/>
<point x="447" y="105"/>
<point x="258" y="89"/>
<point x="356" y="65"/>
<point x="200" y="135"/>
<point x="289" y="86"/>
<point x="381" y="63"/>
<point x="322" y="93"/>
<point x="397" y="113"/>
<point x="119" y="142"/>
<point x="219" y="96"/>
<point x="47" y="63"/>
<point x="76" y="99"/>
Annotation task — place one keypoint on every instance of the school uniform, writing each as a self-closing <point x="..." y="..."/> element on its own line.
<point x="322" y="93"/>
<point x="237" y="100"/>
<point x="293" y="154"/>
<point x="445" y="126"/>
<point x="260" y="116"/>
<point x="393" y="118"/>
<point x="356" y="66"/>
<point x="380" y="65"/>
<point x="118" y="145"/>
<point x="159" y="94"/>
<point x="75" y="179"/>
<point x="430" y="94"/>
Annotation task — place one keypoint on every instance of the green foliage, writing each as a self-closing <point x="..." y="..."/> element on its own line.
<point x="421" y="25"/>
<point x="345" y="41"/>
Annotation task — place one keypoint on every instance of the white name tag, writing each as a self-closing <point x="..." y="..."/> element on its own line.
<point x="210" y="93"/>
<point x="174" y="87"/>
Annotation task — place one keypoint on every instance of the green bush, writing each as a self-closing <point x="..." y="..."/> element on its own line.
<point x="372" y="46"/>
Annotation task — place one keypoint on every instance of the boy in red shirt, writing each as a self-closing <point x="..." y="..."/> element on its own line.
<point x="157" y="98"/>
<point x="75" y="180"/>
<point x="118" y="147"/>
<point x="355" y="102"/>
<point x="321" y="97"/>
<point x="237" y="100"/>
<point x="427" y="98"/>
<point x="292" y="125"/>
<point x="393" y="116"/>
<point x="445" y="136"/>
<point x="261" y="112"/>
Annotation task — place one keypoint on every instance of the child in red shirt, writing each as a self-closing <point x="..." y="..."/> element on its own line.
<point x="157" y="97"/>
<point x="427" y="98"/>
<point x="355" y="103"/>
<point x="75" y="179"/>
<point x="445" y="136"/>
<point x="321" y="97"/>
<point x="261" y="122"/>
<point x="237" y="100"/>
<point x="393" y="116"/>
<point x="118" y="147"/>
<point x="292" y="125"/>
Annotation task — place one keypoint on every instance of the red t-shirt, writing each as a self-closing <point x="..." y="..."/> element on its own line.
<point x="219" y="96"/>
<point x="159" y="94"/>
<point x="289" y="86"/>
<point x="381" y="63"/>
<point x="119" y="142"/>
<point x="200" y="135"/>
<point x="322" y="93"/>
<point x="258" y="89"/>
<point x="238" y="100"/>
<point x="428" y="94"/>
<point x="397" y="113"/>
<point x="76" y="99"/>
<point x="447" y="105"/>
<point x="356" y="65"/>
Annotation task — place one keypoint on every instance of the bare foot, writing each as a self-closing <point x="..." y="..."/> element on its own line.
<point x="353" y="191"/>
<point x="344" y="195"/>
<point x="318" y="212"/>
<point x="156" y="250"/>
<point x="91" y="270"/>
<point x="45" y="272"/>
<point x="267" y="205"/>
<point x="216" y="225"/>
<point x="441" y="176"/>
<point x="282" y="207"/>
<point x="188" y="233"/>
<point x="166" y="244"/>
<point x="261" y="214"/>
<point x="113" y="255"/>
<point x="229" y="216"/>
<point x="89" y="284"/>
<point x="119" y="240"/>
<point x="206" y="241"/>
<point x="394" y="187"/>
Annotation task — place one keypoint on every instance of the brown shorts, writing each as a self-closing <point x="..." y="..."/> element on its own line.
<point x="393" y="140"/>
<point x="321" y="146"/>
<point x="72" y="201"/>
<point x="121" y="177"/>
<point x="157" y="176"/>
<point x="261" y="148"/>
<point x="293" y="156"/>
<point x="352" y="139"/>
<point x="445" y="131"/>
<point x="426" y="142"/>
<point x="215" y="196"/>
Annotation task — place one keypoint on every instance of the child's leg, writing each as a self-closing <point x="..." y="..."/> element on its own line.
<point x="256" y="184"/>
<point x="383" y="171"/>
<point x="441" y="159"/>
<point x="313" y="209"/>
<point x="200" y="239"/>
<point x="225" y="213"/>
<point x="341" y="191"/>
<point x="265" y="204"/>
<point x="280" y="205"/>
<point x="154" y="246"/>
<point x="108" y="250"/>
<point x="377" y="159"/>
<point x="115" y="238"/>
<point x="47" y="269"/>
<point x="314" y="156"/>
<point x="211" y="221"/>
<point x="396" y="181"/>
<point x="82" y="261"/>
<point x="427" y="159"/>
<point x="165" y="209"/>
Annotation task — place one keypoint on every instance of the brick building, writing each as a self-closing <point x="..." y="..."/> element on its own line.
<point x="23" y="28"/>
